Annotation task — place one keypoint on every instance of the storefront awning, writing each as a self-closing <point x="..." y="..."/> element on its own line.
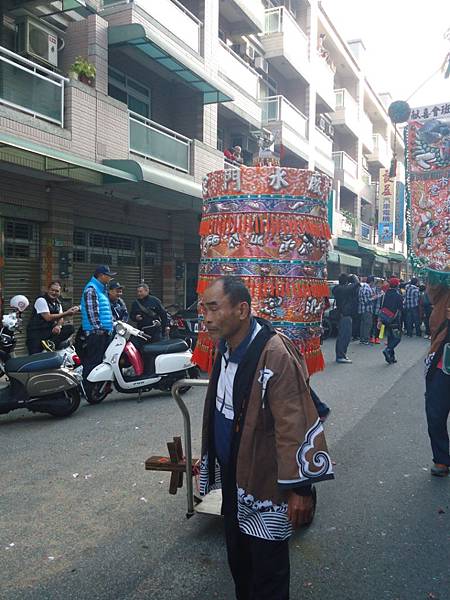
<point x="382" y="260"/>
<point x="396" y="256"/>
<point x="134" y="36"/>
<point x="19" y="154"/>
<point x="344" y="259"/>
<point x="352" y="245"/>
<point x="166" y="189"/>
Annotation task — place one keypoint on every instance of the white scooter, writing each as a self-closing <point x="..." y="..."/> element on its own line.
<point x="130" y="369"/>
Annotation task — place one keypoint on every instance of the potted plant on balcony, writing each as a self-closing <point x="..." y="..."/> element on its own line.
<point x="350" y="218"/>
<point x="82" y="70"/>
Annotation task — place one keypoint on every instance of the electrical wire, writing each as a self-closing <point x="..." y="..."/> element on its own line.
<point x="424" y="83"/>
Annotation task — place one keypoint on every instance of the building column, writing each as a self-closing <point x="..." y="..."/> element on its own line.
<point x="313" y="59"/>
<point x="173" y="253"/>
<point x="57" y="246"/>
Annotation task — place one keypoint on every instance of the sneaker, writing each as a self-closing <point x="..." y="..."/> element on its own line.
<point x="387" y="356"/>
<point x="377" y="341"/>
<point x="364" y="343"/>
<point x="344" y="361"/>
<point x="439" y="470"/>
<point x="372" y="340"/>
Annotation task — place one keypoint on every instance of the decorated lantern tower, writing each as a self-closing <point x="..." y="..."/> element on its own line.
<point x="268" y="225"/>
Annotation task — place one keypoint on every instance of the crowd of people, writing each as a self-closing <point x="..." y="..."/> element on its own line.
<point x="101" y="305"/>
<point x="373" y="308"/>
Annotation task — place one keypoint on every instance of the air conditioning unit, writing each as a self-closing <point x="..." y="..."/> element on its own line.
<point x="245" y="50"/>
<point x="38" y="41"/>
<point x="261" y="64"/>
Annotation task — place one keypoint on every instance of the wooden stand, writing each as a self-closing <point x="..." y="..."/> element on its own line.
<point x="175" y="463"/>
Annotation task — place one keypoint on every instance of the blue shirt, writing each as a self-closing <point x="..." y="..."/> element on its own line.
<point x="224" y="413"/>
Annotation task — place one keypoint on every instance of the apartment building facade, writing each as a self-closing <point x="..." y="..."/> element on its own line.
<point x="109" y="169"/>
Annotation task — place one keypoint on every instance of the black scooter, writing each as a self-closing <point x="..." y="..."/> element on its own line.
<point x="39" y="383"/>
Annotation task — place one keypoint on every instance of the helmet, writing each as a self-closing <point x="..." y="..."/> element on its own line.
<point x="19" y="302"/>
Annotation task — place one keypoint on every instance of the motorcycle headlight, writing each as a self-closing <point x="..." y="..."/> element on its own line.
<point x="120" y="328"/>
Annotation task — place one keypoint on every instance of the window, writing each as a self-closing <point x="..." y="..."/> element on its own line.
<point x="129" y="91"/>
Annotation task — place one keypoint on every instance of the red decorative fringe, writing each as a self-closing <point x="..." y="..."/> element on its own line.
<point x="262" y="287"/>
<point x="205" y="349"/>
<point x="274" y="224"/>
<point x="204" y="352"/>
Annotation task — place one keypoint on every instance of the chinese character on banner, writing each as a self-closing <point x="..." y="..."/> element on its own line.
<point x="386" y="208"/>
<point x="232" y="175"/>
<point x="278" y="179"/>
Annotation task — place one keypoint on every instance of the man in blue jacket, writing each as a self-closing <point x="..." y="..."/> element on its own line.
<point x="96" y="318"/>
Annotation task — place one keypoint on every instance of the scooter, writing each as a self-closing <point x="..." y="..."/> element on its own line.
<point x="40" y="382"/>
<point x="139" y="368"/>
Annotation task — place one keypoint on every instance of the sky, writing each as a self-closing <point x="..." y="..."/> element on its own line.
<point x="404" y="42"/>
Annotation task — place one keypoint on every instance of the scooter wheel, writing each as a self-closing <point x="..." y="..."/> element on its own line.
<point x="96" y="392"/>
<point x="74" y="399"/>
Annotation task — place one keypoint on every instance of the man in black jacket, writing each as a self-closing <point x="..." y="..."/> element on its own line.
<point x="393" y="302"/>
<point x="149" y="314"/>
<point x="118" y="306"/>
<point x="346" y="296"/>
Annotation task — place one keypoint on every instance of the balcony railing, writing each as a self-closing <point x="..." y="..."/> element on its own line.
<point x="366" y="177"/>
<point x="295" y="41"/>
<point x="344" y="224"/>
<point x="30" y="88"/>
<point x="345" y="100"/>
<point x="366" y="128"/>
<point x="280" y="20"/>
<point x="176" y="18"/>
<point x="278" y="108"/>
<point x="346" y="163"/>
<point x="156" y="142"/>
<point x="237" y="70"/>
<point x="324" y="75"/>
<point x="380" y="149"/>
<point x="323" y="142"/>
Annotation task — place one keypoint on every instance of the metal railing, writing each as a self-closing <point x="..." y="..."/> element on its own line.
<point x="345" y="225"/>
<point x="280" y="20"/>
<point x="345" y="100"/>
<point x="345" y="162"/>
<point x="278" y="108"/>
<point x="30" y="88"/>
<point x="380" y="147"/>
<point x="366" y="176"/>
<point x="366" y="126"/>
<point x="156" y="142"/>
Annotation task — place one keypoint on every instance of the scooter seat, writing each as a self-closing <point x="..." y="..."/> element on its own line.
<point x="42" y="361"/>
<point x="165" y="347"/>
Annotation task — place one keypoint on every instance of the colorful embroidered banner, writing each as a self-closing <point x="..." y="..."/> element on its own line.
<point x="427" y="141"/>
<point x="268" y="225"/>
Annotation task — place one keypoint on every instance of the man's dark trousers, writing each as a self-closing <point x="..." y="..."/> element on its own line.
<point x="413" y="318"/>
<point x="96" y="344"/>
<point x="437" y="406"/>
<point x="394" y="337"/>
<point x="34" y="344"/>
<point x="344" y="336"/>
<point x="260" y="567"/>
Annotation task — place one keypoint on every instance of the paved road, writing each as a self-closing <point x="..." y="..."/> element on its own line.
<point x="113" y="532"/>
